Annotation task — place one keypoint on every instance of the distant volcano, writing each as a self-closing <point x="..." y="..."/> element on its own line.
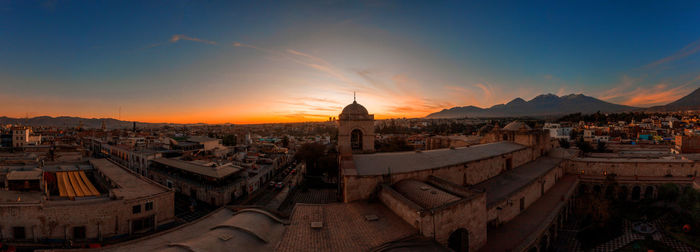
<point x="542" y="105"/>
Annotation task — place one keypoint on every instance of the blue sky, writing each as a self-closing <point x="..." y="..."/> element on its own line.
<point x="264" y="61"/>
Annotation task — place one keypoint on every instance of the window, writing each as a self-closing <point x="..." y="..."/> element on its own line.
<point x="136" y="209"/>
<point x="79" y="233"/>
<point x="19" y="233"/>
<point x="149" y="206"/>
<point x="522" y="204"/>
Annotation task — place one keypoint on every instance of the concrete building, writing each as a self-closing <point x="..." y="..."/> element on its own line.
<point x="687" y="144"/>
<point x="85" y="202"/>
<point x="210" y="182"/>
<point x="556" y="131"/>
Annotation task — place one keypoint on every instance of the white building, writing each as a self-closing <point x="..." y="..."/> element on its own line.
<point x="556" y="131"/>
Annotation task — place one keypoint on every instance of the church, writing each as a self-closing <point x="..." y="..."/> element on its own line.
<point x="456" y="196"/>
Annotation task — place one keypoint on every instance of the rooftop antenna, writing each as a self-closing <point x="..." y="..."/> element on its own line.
<point x="354" y="96"/>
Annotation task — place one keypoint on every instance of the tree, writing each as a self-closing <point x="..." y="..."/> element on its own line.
<point x="310" y="153"/>
<point x="229" y="140"/>
<point x="285" y="142"/>
<point x="564" y="143"/>
<point x="600" y="147"/>
<point x="669" y="192"/>
<point x="584" y="146"/>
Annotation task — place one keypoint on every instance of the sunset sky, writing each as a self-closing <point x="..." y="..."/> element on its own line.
<point x="264" y="61"/>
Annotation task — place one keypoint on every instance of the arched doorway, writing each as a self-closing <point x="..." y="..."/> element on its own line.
<point x="649" y="192"/>
<point x="356" y="139"/>
<point x="636" y="191"/>
<point x="582" y="190"/>
<point x="610" y="192"/>
<point x="596" y="190"/>
<point x="622" y="194"/>
<point x="459" y="240"/>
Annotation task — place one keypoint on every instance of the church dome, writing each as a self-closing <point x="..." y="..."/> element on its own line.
<point x="354" y="111"/>
<point x="516" y="126"/>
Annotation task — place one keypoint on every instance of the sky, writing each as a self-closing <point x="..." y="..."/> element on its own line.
<point x="292" y="61"/>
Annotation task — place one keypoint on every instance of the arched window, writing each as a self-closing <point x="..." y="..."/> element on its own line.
<point x="356" y="139"/>
<point x="636" y="191"/>
<point x="649" y="192"/>
<point x="459" y="240"/>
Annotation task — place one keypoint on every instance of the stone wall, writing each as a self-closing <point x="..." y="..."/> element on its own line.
<point x="216" y="196"/>
<point x="509" y="208"/>
<point x="357" y="187"/>
<point x="100" y="216"/>
<point x="633" y="167"/>
<point x="467" y="213"/>
<point x="402" y="207"/>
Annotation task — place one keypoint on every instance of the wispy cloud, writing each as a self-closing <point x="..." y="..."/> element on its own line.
<point x="177" y="37"/>
<point x="632" y="92"/>
<point x="488" y="90"/>
<point x="686" y="51"/>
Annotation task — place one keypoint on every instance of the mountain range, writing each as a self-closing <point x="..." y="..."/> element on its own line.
<point x="69" y="121"/>
<point x="552" y="105"/>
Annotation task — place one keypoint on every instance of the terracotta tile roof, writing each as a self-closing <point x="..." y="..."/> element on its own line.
<point x="344" y="227"/>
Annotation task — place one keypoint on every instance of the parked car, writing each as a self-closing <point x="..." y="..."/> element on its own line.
<point x="279" y="186"/>
<point x="271" y="184"/>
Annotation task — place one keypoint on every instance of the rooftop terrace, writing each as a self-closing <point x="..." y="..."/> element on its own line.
<point x="129" y="184"/>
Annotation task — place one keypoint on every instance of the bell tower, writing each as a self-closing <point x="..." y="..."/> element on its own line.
<point x="355" y="130"/>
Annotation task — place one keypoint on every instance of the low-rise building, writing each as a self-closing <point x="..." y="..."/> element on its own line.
<point x="81" y="203"/>
<point x="211" y="182"/>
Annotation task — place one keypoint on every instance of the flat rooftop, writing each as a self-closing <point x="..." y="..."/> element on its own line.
<point x="214" y="172"/>
<point x="402" y="162"/>
<point x="527" y="226"/>
<point x="500" y="187"/>
<point x="129" y="184"/>
<point x="344" y="227"/>
<point x="425" y="195"/>
<point x="632" y="160"/>
<point x="24" y="175"/>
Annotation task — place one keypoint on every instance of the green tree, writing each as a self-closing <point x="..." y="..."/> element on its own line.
<point x="584" y="146"/>
<point x="229" y="140"/>
<point x="310" y="153"/>
<point x="564" y="143"/>
<point x="601" y="147"/>
<point x="669" y="192"/>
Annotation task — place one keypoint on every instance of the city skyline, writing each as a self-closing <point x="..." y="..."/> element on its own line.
<point x="190" y="62"/>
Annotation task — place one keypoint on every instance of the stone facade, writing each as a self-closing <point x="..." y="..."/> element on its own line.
<point x="355" y="118"/>
<point x="101" y="217"/>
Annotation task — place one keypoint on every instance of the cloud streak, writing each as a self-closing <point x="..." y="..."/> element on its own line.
<point x="686" y="51"/>
<point x="629" y="92"/>
<point x="177" y="37"/>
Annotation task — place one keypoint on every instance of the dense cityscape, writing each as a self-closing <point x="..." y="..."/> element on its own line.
<point x="346" y="126"/>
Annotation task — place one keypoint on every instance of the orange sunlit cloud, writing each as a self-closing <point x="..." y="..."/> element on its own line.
<point x="628" y="92"/>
